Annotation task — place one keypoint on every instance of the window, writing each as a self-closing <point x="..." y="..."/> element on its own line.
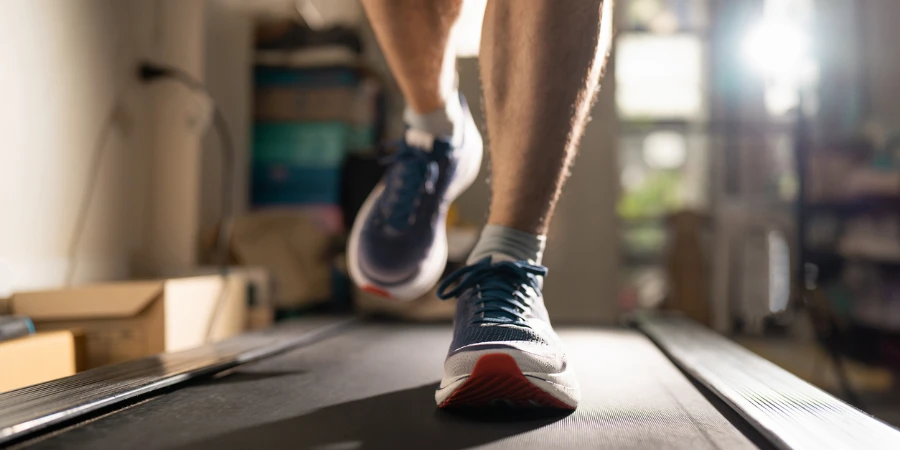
<point x="664" y="16"/>
<point x="659" y="77"/>
<point x="661" y="99"/>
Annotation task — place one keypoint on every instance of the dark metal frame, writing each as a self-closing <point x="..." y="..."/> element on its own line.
<point x="788" y="411"/>
<point x="33" y="409"/>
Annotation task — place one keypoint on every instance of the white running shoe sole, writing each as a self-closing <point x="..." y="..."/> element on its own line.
<point x="496" y="379"/>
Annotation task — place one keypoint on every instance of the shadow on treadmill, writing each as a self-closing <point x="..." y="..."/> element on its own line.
<point x="401" y="419"/>
<point x="234" y="376"/>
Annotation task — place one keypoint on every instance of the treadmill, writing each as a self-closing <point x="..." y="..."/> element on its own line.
<point x="356" y="383"/>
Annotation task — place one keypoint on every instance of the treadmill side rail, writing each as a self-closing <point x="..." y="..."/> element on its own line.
<point x="788" y="411"/>
<point x="31" y="409"/>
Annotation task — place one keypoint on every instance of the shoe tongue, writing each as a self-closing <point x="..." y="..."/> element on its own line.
<point x="501" y="257"/>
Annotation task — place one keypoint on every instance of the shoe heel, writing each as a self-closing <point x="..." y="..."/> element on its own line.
<point x="497" y="381"/>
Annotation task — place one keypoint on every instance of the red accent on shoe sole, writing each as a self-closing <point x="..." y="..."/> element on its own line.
<point x="497" y="380"/>
<point x="376" y="290"/>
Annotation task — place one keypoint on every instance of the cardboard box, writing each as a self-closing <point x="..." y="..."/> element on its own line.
<point x="259" y="290"/>
<point x="130" y="320"/>
<point x="293" y="248"/>
<point x="37" y="358"/>
<point x="260" y="298"/>
<point x="4" y="306"/>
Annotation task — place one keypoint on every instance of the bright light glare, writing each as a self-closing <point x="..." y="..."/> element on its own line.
<point x="659" y="76"/>
<point x="778" y="49"/>
<point x="665" y="150"/>
<point x="468" y="28"/>
<point x="781" y="98"/>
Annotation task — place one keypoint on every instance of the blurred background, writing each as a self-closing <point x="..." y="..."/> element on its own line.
<point x="742" y="167"/>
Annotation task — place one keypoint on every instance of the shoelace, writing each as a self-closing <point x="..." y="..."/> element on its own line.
<point x="500" y="289"/>
<point x="411" y="173"/>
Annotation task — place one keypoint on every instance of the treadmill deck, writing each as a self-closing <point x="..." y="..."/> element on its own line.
<point x="372" y="387"/>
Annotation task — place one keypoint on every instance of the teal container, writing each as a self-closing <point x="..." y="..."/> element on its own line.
<point x="311" y="145"/>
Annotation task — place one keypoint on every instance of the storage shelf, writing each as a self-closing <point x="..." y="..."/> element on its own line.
<point x="864" y="205"/>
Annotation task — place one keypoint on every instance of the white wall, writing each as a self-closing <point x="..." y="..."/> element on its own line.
<point x="170" y="239"/>
<point x="65" y="64"/>
<point x="228" y="60"/>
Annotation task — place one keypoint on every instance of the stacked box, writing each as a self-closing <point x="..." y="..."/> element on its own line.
<point x="307" y="120"/>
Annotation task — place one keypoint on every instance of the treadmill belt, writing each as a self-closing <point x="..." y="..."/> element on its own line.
<point x="372" y="387"/>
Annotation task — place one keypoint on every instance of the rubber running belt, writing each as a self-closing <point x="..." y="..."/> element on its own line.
<point x="371" y="386"/>
<point x="790" y="412"/>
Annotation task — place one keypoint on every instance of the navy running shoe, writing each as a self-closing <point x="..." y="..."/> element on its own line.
<point x="398" y="245"/>
<point x="504" y="351"/>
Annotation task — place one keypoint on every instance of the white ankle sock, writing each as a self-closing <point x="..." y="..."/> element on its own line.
<point x="518" y="245"/>
<point x="446" y="122"/>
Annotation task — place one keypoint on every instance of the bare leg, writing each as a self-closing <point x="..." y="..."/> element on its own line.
<point x="415" y="38"/>
<point x="397" y="247"/>
<point x="541" y="62"/>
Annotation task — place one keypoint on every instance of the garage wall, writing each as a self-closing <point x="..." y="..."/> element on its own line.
<point x="67" y="64"/>
<point x="228" y="67"/>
